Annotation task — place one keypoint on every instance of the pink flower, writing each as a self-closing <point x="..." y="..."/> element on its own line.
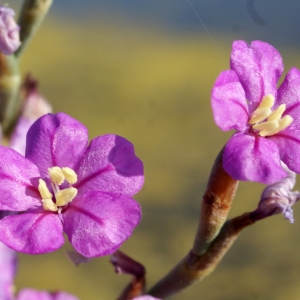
<point x="61" y="185"/>
<point x="266" y="119"/>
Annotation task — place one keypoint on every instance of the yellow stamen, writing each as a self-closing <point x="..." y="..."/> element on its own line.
<point x="65" y="196"/>
<point x="62" y="197"/>
<point x="269" y="128"/>
<point x="268" y="122"/>
<point x="277" y="113"/>
<point x="267" y="102"/>
<point x="263" y="110"/>
<point x="43" y="189"/>
<point x="266" y="127"/>
<point x="49" y="205"/>
<point x="283" y="123"/>
<point x="56" y="175"/>
<point x="70" y="175"/>
<point x="259" y="115"/>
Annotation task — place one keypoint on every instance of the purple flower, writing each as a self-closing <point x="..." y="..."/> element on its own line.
<point x="30" y="294"/>
<point x="9" y="31"/>
<point x="8" y="267"/>
<point x="266" y="119"/>
<point x="61" y="185"/>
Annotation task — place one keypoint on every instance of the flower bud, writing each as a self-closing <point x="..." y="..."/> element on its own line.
<point x="9" y="31"/>
<point x="279" y="198"/>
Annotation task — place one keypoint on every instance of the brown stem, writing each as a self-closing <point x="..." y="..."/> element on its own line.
<point x="195" y="267"/>
<point x="126" y="265"/>
<point x="215" y="207"/>
<point x="133" y="289"/>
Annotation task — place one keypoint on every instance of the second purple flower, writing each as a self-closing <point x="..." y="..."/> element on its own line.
<point x="266" y="119"/>
<point x="65" y="185"/>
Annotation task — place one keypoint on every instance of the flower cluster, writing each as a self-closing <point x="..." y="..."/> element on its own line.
<point x="266" y="119"/>
<point x="65" y="185"/>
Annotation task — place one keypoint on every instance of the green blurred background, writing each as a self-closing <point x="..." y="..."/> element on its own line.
<point x="151" y="84"/>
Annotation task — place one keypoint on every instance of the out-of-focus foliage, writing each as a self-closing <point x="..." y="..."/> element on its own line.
<point x="154" y="89"/>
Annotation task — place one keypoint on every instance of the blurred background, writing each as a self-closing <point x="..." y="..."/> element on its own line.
<point x="144" y="70"/>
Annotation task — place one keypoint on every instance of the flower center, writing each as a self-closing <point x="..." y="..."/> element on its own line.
<point x="267" y="122"/>
<point x="62" y="197"/>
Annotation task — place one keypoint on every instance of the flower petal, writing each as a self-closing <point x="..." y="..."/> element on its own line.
<point x="18" y="177"/>
<point x="288" y="143"/>
<point x="229" y="103"/>
<point x="289" y="94"/>
<point x="56" y="140"/>
<point x="98" y="223"/>
<point x="259" y="67"/>
<point x="34" y="232"/>
<point x="249" y="157"/>
<point x="288" y="140"/>
<point x="110" y="165"/>
<point x="31" y="294"/>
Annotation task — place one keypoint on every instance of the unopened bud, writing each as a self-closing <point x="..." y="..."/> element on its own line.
<point x="279" y="198"/>
<point x="9" y="31"/>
